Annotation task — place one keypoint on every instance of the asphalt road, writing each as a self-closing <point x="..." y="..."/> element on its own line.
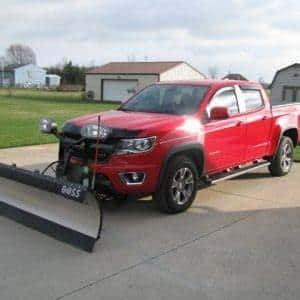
<point x="240" y="240"/>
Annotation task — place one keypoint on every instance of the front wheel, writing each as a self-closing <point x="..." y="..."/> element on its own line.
<point x="282" y="162"/>
<point x="178" y="189"/>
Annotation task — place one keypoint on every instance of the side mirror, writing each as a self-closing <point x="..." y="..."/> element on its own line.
<point x="48" y="126"/>
<point x="219" y="113"/>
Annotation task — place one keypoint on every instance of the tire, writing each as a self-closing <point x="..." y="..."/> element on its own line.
<point x="282" y="162"/>
<point x="178" y="189"/>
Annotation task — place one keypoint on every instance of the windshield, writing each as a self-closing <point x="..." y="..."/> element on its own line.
<point x="167" y="99"/>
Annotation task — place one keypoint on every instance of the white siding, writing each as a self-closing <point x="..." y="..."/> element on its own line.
<point x="53" y="80"/>
<point x="284" y="78"/>
<point x="93" y="81"/>
<point x="29" y="74"/>
<point x="181" y="72"/>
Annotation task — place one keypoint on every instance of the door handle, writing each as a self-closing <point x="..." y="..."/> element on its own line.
<point x="239" y="123"/>
<point x="264" y="118"/>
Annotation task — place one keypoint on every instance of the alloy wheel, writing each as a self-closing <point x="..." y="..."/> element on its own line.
<point x="286" y="157"/>
<point x="182" y="185"/>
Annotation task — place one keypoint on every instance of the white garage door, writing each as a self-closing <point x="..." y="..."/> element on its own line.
<point x="118" y="90"/>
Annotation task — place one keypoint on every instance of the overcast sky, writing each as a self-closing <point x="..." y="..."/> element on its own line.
<point x="254" y="38"/>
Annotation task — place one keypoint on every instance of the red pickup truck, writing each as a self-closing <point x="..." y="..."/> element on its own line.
<point x="172" y="136"/>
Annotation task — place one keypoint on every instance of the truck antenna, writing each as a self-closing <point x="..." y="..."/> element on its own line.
<point x="96" y="153"/>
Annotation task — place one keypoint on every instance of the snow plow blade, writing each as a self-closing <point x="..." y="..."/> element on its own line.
<point x="58" y="208"/>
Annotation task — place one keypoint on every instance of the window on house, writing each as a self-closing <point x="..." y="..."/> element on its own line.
<point x="291" y="94"/>
<point x="288" y="94"/>
<point x="298" y="95"/>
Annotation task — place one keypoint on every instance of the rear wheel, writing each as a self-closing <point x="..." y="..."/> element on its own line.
<point x="178" y="189"/>
<point x="282" y="162"/>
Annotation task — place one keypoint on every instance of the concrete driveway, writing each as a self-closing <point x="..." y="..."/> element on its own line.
<point x="240" y="240"/>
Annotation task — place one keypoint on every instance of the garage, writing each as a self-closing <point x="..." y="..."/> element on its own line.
<point x="118" y="90"/>
<point x="118" y="81"/>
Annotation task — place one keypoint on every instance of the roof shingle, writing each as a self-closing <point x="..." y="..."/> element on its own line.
<point x="135" y="67"/>
<point x="12" y="67"/>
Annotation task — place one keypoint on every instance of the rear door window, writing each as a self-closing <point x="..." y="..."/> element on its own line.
<point x="253" y="99"/>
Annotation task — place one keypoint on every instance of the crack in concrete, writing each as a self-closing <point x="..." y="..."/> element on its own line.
<point x="161" y="254"/>
<point x="244" y="196"/>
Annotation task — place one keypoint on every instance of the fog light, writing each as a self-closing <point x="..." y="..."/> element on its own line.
<point x="132" y="178"/>
<point x="135" y="177"/>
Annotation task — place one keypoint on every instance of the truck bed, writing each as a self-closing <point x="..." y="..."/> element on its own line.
<point x="291" y="109"/>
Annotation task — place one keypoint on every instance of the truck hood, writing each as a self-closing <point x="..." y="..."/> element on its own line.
<point x="132" y="121"/>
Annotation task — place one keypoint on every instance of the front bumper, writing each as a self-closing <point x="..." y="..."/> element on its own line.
<point x="117" y="166"/>
<point x="109" y="167"/>
<point x="110" y="174"/>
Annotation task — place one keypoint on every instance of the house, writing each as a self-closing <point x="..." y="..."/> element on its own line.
<point x="117" y="81"/>
<point x="233" y="76"/>
<point x="285" y="87"/>
<point x="52" y="80"/>
<point x="22" y="75"/>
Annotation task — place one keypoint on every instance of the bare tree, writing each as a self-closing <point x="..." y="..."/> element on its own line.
<point x="20" y="54"/>
<point x="213" y="72"/>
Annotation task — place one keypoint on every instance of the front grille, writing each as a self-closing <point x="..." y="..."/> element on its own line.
<point x="86" y="150"/>
<point x="88" y="153"/>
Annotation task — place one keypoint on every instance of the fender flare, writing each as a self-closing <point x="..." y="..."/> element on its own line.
<point x="182" y="149"/>
<point x="282" y="131"/>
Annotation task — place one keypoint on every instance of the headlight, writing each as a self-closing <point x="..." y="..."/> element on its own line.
<point x="93" y="131"/>
<point x="135" y="145"/>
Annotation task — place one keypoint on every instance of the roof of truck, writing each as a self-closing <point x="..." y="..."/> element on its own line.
<point x="210" y="82"/>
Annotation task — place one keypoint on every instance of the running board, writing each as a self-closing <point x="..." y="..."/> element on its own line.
<point x="237" y="172"/>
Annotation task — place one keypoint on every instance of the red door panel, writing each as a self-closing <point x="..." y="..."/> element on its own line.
<point x="258" y="134"/>
<point x="259" y="122"/>
<point x="224" y="143"/>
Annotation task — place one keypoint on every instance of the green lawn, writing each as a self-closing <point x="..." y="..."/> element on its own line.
<point x="297" y="154"/>
<point x="21" y="112"/>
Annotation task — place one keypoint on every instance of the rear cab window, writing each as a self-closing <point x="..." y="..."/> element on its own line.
<point x="253" y="99"/>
